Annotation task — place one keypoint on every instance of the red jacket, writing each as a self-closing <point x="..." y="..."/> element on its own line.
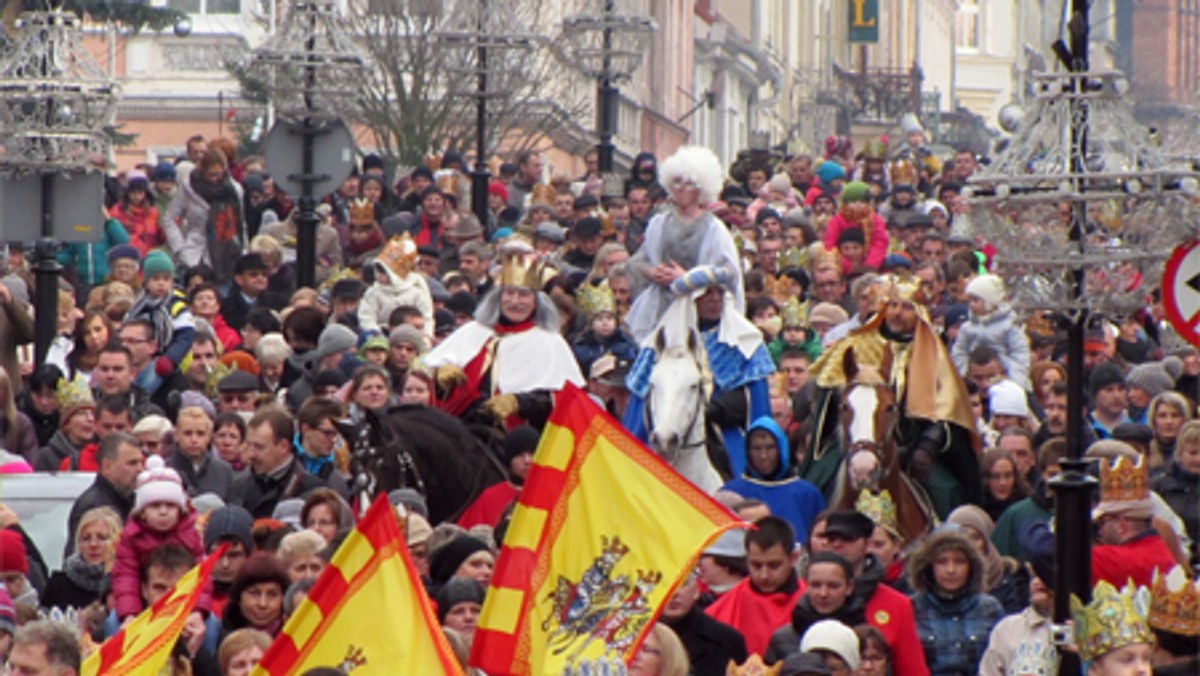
<point x="228" y="335"/>
<point x="133" y="551"/>
<point x="1136" y="559"/>
<point x="891" y="613"/>
<point x="876" y="247"/>
<point x="142" y="224"/>
<point x="490" y="505"/>
<point x="758" y="615"/>
<point x="87" y="460"/>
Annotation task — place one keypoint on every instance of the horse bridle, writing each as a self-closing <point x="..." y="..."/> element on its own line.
<point x="874" y="447"/>
<point x="706" y="388"/>
<point x="366" y="457"/>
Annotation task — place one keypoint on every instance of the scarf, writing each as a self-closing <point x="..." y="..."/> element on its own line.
<point x="86" y="576"/>
<point x="312" y="464"/>
<point x="225" y="226"/>
<point x="157" y="310"/>
<point x="850" y="614"/>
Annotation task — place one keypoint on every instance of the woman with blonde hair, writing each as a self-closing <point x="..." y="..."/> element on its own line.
<point x="82" y="579"/>
<point x="1167" y="414"/>
<point x="242" y="650"/>
<point x="662" y="654"/>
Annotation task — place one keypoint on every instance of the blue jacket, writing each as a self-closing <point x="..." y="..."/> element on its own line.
<point x="789" y="497"/>
<point x="588" y="348"/>
<point x="90" y="259"/>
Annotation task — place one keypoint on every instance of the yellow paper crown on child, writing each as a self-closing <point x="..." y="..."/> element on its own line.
<point x="1175" y="603"/>
<point x="1114" y="619"/>
<point x="795" y="313"/>
<point x="904" y="172"/>
<point x="73" y="394"/>
<point x="1124" y="479"/>
<point x="880" y="507"/>
<point x="793" y="257"/>
<point x="362" y="210"/>
<point x="596" y="298"/>
<point x="399" y="255"/>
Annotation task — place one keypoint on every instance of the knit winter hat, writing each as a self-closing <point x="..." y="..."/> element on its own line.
<point x="157" y="261"/>
<point x="408" y="334"/>
<point x="1007" y="398"/>
<point x="230" y="522"/>
<point x="1155" y="377"/>
<point x="159" y="483"/>
<point x="1104" y="375"/>
<point x="456" y="591"/>
<point x="334" y="338"/>
<point x="521" y="439"/>
<point x="856" y="191"/>
<point x="445" y="561"/>
<point x="835" y="637"/>
<point x="164" y="171"/>
<point x="8" y="613"/>
<point x="989" y="288"/>
<point x="830" y="171"/>
<point x="124" y="251"/>
<point x="12" y="552"/>
<point x="780" y="183"/>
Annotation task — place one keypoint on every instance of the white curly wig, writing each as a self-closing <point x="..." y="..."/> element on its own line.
<point x="695" y="164"/>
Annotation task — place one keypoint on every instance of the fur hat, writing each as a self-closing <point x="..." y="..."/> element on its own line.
<point x="835" y="637"/>
<point x="1155" y="377"/>
<point x="1007" y="398"/>
<point x="920" y="566"/>
<point x="989" y="288"/>
<point x="159" y="483"/>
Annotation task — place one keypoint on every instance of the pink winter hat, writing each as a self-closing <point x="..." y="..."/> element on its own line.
<point x="159" y="483"/>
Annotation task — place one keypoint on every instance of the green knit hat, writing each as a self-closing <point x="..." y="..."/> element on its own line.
<point x="856" y="191"/>
<point x="157" y="261"/>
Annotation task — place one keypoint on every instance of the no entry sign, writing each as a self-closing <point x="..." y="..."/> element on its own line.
<point x="1181" y="291"/>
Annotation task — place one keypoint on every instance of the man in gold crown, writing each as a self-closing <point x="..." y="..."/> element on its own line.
<point x="936" y="429"/>
<point x="366" y="237"/>
<point x="396" y="283"/>
<point x="1112" y="633"/>
<point x="1175" y="619"/>
<point x="1128" y="547"/>
<point x="511" y="358"/>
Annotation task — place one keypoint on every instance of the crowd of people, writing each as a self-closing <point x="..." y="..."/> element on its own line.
<point x="212" y="397"/>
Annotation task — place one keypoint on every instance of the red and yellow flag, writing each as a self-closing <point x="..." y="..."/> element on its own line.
<point x="144" y="645"/>
<point x="367" y="611"/>
<point x="603" y="533"/>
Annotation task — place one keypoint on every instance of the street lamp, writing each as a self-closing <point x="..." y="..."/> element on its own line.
<point x="487" y="49"/>
<point x="606" y="41"/>
<point x="314" y="69"/>
<point x="1083" y="209"/>
<point x="56" y="105"/>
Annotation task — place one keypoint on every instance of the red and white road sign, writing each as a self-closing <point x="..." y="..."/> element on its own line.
<point x="1181" y="291"/>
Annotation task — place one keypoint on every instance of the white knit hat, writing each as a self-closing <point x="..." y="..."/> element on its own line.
<point x="988" y="287"/>
<point x="1007" y="398"/>
<point x="159" y="483"/>
<point x="835" y="637"/>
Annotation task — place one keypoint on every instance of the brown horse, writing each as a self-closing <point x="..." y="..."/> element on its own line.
<point x="870" y="460"/>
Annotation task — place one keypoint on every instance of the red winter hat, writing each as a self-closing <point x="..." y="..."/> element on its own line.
<point x="499" y="189"/>
<point x="12" y="552"/>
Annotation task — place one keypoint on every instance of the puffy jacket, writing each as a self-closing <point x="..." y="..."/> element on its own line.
<point x="133" y="551"/>
<point x="90" y="259"/>
<point x="998" y="330"/>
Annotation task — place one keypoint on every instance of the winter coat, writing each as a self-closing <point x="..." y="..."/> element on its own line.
<point x="876" y="248"/>
<point x="213" y="476"/>
<point x="142" y="224"/>
<point x="891" y="613"/>
<point x="1181" y="490"/>
<point x="786" y="639"/>
<point x="185" y="224"/>
<point x="89" y="260"/>
<point x="259" y="493"/>
<point x="16" y="329"/>
<point x="789" y="497"/>
<point x="954" y="627"/>
<point x="77" y="586"/>
<point x="588" y="348"/>
<point x="380" y="299"/>
<point x="1000" y="331"/>
<point x="102" y="493"/>
<point x="60" y="448"/>
<point x="133" y="551"/>
<point x="26" y="444"/>
<point x="710" y="644"/>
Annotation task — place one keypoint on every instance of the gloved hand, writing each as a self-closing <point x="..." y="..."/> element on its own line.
<point x="501" y="406"/>
<point x="450" y="377"/>
<point x="164" y="366"/>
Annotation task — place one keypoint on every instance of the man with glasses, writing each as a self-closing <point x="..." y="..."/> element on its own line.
<point x="829" y="286"/>
<point x="238" y="392"/>
<point x="319" y="438"/>
<point x="250" y="286"/>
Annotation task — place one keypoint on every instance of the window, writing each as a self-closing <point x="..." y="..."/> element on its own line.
<point x="968" y="37"/>
<point x="206" y="6"/>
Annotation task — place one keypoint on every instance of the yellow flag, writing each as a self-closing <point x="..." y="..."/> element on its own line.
<point x="603" y="533"/>
<point x="143" y="646"/>
<point x="368" y="612"/>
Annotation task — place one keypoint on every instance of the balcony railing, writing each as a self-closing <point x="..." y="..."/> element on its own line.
<point x="880" y="94"/>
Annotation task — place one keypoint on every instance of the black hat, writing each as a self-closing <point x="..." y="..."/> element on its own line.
<point x="1135" y="432"/>
<point x="764" y="214"/>
<point x="329" y="378"/>
<point x="1104" y="375"/>
<point x="457" y="590"/>
<point x="586" y="228"/>
<point x="451" y="157"/>
<point x="428" y="250"/>
<point x="521" y="439"/>
<point x="238" y="381"/>
<point x="461" y="303"/>
<point x="849" y="524"/>
<point x="443" y="322"/>
<point x="372" y="161"/>
<point x="585" y="202"/>
<point x="347" y="288"/>
<point x="447" y="558"/>
<point x="804" y="664"/>
<point x="917" y="221"/>
<point x="508" y="169"/>
<point x="249" y="263"/>
<point x="852" y="235"/>
<point x="421" y="172"/>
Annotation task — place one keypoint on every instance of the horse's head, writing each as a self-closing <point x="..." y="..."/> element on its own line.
<point x="869" y="413"/>
<point x="680" y="386"/>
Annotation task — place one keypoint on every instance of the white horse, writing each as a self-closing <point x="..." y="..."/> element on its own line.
<point x="680" y="387"/>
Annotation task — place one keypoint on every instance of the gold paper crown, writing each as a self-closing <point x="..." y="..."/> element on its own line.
<point x="906" y="287"/>
<point x="1124" y="479"/>
<point x="904" y="172"/>
<point x="793" y="257"/>
<point x="542" y="194"/>
<point x="1114" y="619"/>
<point x="795" y="313"/>
<point x="876" y="148"/>
<point x="596" y="298"/>
<point x="776" y="385"/>
<point x="880" y="508"/>
<point x="215" y="376"/>
<point x="399" y="255"/>
<point x="1175" y="603"/>
<point x="778" y="288"/>
<point x="524" y="269"/>
<point x="336" y="276"/>
<point x="73" y="393"/>
<point x="362" y="210"/>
